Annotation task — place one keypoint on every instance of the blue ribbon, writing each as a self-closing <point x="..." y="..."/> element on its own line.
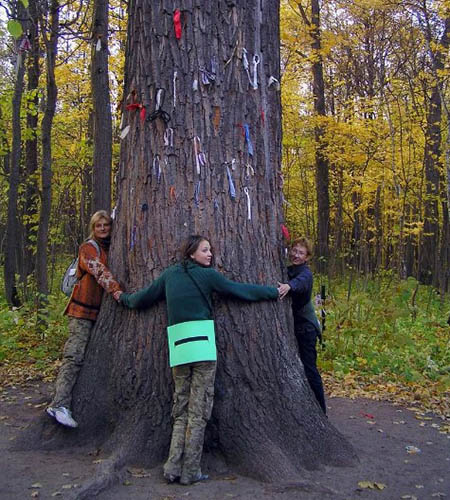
<point x="248" y="139"/>
<point x="231" y="184"/>
<point x="196" y="194"/>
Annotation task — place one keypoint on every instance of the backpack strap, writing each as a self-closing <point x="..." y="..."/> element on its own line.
<point x="200" y="290"/>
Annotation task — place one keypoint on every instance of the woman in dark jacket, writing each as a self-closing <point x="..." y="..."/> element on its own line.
<point x="306" y="324"/>
<point x="187" y="288"/>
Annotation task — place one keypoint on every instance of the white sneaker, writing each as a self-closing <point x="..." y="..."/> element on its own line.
<point x="62" y="415"/>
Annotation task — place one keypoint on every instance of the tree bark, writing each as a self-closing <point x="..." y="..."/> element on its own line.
<point x="429" y="267"/>
<point x="31" y="146"/>
<point x="322" y="166"/>
<point x="429" y="250"/>
<point x="12" y="224"/>
<point x="50" y="33"/>
<point x="102" y="155"/>
<point x="265" y="421"/>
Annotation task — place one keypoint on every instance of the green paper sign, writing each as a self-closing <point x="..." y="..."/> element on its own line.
<point x="192" y="341"/>
<point x="25" y="3"/>
<point x="14" y="28"/>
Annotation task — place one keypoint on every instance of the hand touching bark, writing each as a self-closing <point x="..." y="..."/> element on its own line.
<point x="117" y="295"/>
<point x="283" y="289"/>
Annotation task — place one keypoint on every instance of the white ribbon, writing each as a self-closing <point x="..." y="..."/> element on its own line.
<point x="168" y="137"/>
<point x="158" y="99"/>
<point x="256" y="61"/>
<point x="244" y="58"/>
<point x="175" y="74"/>
<point x="273" y="81"/>
<point x="124" y="132"/>
<point x="249" y="206"/>
<point x="249" y="170"/>
<point x="195" y="85"/>
<point x="200" y="159"/>
<point x="157" y="165"/>
<point x="98" y="47"/>
<point x="245" y="63"/>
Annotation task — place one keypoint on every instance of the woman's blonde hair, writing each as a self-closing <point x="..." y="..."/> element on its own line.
<point x="101" y="214"/>
<point x="303" y="242"/>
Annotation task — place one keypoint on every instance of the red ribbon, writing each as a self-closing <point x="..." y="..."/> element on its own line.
<point x="263" y="116"/>
<point x="177" y="23"/>
<point x="136" y="105"/>
<point x="130" y="107"/>
<point x="142" y="114"/>
<point x="285" y="232"/>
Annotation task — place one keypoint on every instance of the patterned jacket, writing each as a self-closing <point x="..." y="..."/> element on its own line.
<point x="94" y="276"/>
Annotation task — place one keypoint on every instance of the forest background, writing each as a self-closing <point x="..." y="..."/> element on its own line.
<point x="366" y="166"/>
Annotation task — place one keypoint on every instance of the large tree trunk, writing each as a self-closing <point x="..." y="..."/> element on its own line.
<point x="102" y="156"/>
<point x="265" y="421"/>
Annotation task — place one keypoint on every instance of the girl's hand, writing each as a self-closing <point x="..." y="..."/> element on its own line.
<point x="117" y="295"/>
<point x="283" y="289"/>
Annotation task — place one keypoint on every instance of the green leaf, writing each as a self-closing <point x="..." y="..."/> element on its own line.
<point x="14" y="28"/>
<point x="25" y="3"/>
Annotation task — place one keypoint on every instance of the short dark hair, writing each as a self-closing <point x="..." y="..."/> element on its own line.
<point x="190" y="245"/>
<point x="303" y="242"/>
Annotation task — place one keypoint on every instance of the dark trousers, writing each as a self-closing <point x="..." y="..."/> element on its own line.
<point x="307" y="334"/>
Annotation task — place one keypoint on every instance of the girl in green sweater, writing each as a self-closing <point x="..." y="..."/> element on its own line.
<point x="187" y="287"/>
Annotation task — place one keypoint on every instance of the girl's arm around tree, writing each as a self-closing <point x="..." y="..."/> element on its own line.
<point x="244" y="291"/>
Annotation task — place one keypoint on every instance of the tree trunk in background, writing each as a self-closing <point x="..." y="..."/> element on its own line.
<point x="50" y="34"/>
<point x="356" y="241"/>
<point x="322" y="167"/>
<point x="31" y="147"/>
<point x="336" y="256"/>
<point x="12" y="224"/>
<point x="443" y="270"/>
<point x="429" y="250"/>
<point x="265" y="421"/>
<point x="102" y="156"/>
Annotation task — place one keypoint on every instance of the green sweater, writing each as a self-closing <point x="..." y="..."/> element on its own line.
<point x="184" y="300"/>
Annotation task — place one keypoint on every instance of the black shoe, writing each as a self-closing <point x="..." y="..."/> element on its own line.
<point x="198" y="477"/>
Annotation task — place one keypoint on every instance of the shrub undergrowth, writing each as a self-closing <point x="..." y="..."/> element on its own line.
<point x="382" y="330"/>
<point x="387" y="331"/>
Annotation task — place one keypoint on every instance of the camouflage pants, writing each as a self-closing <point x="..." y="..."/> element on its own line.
<point x="192" y="406"/>
<point x="73" y="357"/>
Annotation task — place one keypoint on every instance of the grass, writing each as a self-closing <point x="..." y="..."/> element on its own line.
<point x="26" y="351"/>
<point x="388" y="333"/>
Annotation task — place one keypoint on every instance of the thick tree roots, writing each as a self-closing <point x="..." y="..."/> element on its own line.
<point x="108" y="473"/>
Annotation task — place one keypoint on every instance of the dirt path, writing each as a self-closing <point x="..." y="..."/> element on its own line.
<point x="406" y="453"/>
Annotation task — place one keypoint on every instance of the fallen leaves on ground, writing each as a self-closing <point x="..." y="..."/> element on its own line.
<point x="21" y="372"/>
<point x="371" y="485"/>
<point x="419" y="399"/>
<point x="135" y="472"/>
